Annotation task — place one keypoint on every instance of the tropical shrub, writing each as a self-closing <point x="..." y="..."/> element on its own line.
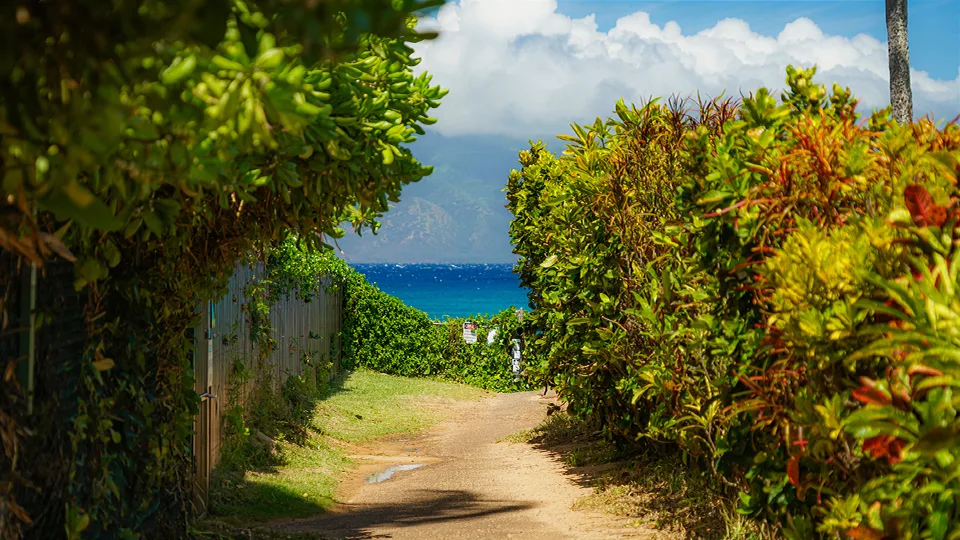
<point x="908" y="421"/>
<point x="610" y="285"/>
<point x="766" y="286"/>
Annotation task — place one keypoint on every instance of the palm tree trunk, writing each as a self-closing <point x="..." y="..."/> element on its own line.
<point x="901" y="97"/>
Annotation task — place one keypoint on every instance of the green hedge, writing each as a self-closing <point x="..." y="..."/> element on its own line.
<point x="770" y="287"/>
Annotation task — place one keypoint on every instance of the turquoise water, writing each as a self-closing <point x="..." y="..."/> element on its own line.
<point x="454" y="290"/>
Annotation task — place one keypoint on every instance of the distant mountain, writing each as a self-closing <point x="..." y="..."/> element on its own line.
<point x="455" y="215"/>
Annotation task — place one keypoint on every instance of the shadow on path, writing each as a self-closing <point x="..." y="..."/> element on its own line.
<point x="429" y="506"/>
<point x="643" y="482"/>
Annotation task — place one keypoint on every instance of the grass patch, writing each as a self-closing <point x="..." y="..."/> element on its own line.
<point x="520" y="437"/>
<point x="560" y="428"/>
<point x="655" y="488"/>
<point x="661" y="491"/>
<point x="594" y="454"/>
<point x="367" y="405"/>
<point x="303" y="485"/>
<point x="300" y="479"/>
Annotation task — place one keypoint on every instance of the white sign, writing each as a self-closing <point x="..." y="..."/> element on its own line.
<point x="470" y="332"/>
<point x="491" y="336"/>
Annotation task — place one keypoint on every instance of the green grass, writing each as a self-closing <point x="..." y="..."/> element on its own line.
<point x="370" y="405"/>
<point x="520" y="437"/>
<point x="303" y="485"/>
<point x="218" y="530"/>
<point x="661" y="492"/>
<point x="360" y="407"/>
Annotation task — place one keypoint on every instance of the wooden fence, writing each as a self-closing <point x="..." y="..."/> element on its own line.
<point x="224" y="342"/>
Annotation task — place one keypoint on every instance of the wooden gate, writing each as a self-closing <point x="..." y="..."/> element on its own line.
<point x="207" y="417"/>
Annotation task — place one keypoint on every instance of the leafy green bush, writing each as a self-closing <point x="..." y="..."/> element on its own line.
<point x="489" y="366"/>
<point x="611" y="286"/>
<point x="730" y="281"/>
<point x="909" y="415"/>
<point x="154" y="145"/>
<point x="382" y="333"/>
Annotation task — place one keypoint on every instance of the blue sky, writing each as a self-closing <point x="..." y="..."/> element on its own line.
<point x="525" y="69"/>
<point x="934" y="25"/>
<point x="531" y="67"/>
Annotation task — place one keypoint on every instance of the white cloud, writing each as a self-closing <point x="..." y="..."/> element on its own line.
<point x="518" y="67"/>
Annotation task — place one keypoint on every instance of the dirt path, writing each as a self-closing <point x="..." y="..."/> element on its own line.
<point x="470" y="485"/>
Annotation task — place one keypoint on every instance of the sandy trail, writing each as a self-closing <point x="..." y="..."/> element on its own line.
<point x="470" y="485"/>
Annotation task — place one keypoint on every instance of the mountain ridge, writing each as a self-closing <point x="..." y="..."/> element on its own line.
<point x="456" y="215"/>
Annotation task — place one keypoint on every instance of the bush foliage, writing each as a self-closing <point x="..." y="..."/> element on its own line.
<point x="155" y="145"/>
<point x="770" y="286"/>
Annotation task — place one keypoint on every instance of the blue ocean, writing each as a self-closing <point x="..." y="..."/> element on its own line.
<point x="454" y="290"/>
